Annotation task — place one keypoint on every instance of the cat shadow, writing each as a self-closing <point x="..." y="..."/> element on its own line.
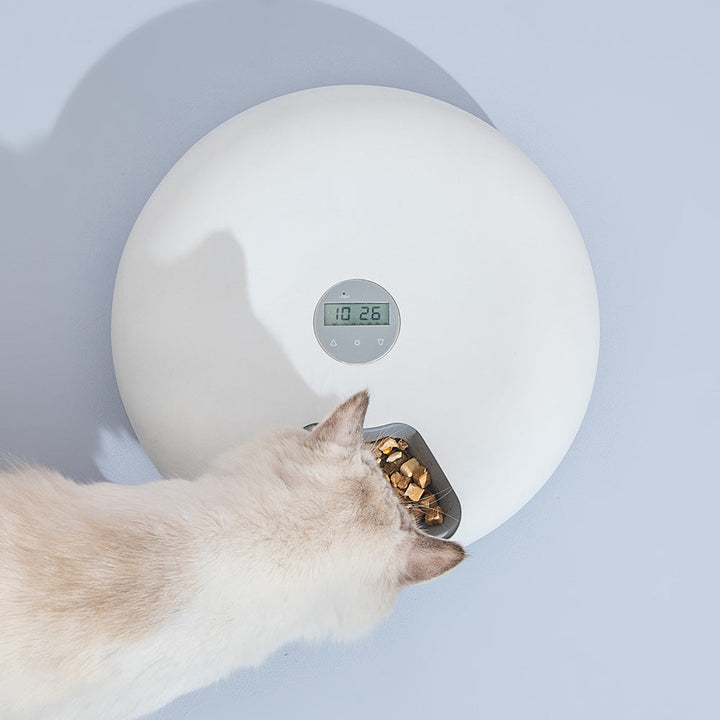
<point x="70" y="201"/>
<point x="247" y="379"/>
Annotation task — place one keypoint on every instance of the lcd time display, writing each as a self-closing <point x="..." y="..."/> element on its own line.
<point x="357" y="313"/>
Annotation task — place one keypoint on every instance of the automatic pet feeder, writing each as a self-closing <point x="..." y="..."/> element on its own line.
<point x="359" y="236"/>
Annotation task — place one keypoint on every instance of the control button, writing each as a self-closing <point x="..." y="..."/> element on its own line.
<point x="333" y="343"/>
<point x="381" y="341"/>
<point x="357" y="342"/>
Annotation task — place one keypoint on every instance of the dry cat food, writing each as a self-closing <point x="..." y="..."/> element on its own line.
<point x="409" y="479"/>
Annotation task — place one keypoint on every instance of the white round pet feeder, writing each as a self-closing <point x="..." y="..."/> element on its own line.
<point x="356" y="237"/>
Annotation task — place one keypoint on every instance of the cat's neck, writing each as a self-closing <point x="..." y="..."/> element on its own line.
<point x="248" y="590"/>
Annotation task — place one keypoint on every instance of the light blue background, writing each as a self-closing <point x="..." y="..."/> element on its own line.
<point x="600" y="598"/>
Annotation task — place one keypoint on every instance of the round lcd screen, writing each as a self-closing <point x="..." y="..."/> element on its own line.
<point x="356" y="321"/>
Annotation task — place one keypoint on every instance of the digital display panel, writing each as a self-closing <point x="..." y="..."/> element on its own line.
<point x="357" y="313"/>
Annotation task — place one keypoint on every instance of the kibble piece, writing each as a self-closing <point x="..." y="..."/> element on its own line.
<point x="399" y="480"/>
<point x="395" y="456"/>
<point x="414" y="492"/>
<point x="421" y="476"/>
<point x="387" y="445"/>
<point x="377" y="452"/>
<point x="433" y="516"/>
<point x="407" y="467"/>
<point x="402" y="444"/>
<point x="392" y="467"/>
<point x="379" y="460"/>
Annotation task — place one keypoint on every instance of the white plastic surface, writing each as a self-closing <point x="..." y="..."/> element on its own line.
<point x="212" y="315"/>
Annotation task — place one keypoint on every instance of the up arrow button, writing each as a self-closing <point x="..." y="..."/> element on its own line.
<point x="381" y="341"/>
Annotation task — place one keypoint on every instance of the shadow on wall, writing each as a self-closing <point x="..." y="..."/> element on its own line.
<point x="68" y="204"/>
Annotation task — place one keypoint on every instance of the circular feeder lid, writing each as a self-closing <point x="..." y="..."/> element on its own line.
<point x="218" y="329"/>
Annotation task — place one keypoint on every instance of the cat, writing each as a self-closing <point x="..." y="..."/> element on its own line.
<point x="114" y="600"/>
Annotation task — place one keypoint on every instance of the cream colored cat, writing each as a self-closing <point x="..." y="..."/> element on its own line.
<point x="116" y="599"/>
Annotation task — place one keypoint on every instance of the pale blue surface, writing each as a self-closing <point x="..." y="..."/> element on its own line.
<point x="599" y="599"/>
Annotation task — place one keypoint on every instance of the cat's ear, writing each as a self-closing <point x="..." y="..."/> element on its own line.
<point x="429" y="557"/>
<point x="344" y="426"/>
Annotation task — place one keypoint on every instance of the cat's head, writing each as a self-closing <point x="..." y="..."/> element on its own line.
<point x="341" y="522"/>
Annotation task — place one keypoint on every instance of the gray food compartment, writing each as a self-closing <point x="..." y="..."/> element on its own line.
<point x="440" y="485"/>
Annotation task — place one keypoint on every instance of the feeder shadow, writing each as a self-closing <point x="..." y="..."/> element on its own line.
<point x="69" y="202"/>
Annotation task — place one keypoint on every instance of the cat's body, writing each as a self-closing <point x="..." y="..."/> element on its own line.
<point x="116" y="599"/>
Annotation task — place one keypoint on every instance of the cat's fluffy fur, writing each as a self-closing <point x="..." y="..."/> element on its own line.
<point x="116" y="599"/>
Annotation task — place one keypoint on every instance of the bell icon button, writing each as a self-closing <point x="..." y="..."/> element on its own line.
<point x="381" y="341"/>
